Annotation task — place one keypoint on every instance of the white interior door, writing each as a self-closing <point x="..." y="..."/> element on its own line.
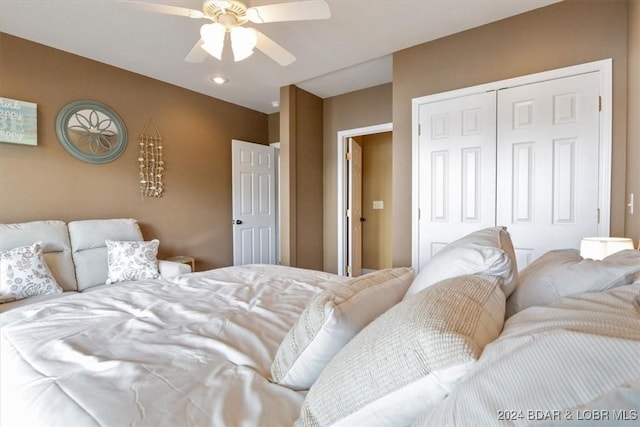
<point x="548" y="164"/>
<point x="355" y="208"/>
<point x="254" y="203"/>
<point x="457" y="160"/>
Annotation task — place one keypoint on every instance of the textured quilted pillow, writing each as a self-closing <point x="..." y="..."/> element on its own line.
<point x="24" y="273"/>
<point x="564" y="272"/>
<point x="487" y="252"/>
<point x="408" y="358"/>
<point x="132" y="260"/>
<point x="330" y="320"/>
<point x="579" y="355"/>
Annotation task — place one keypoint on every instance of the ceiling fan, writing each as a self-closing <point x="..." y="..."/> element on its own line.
<point x="230" y="16"/>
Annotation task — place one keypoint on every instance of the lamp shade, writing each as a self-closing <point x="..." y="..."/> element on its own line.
<point x="213" y="37"/>
<point x="601" y="247"/>
<point x="243" y="40"/>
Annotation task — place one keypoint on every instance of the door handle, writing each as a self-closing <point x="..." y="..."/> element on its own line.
<point x="237" y="222"/>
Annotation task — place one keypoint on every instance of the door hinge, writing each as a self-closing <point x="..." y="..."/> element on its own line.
<point x="347" y="156"/>
<point x="419" y="129"/>
<point x="598" y="215"/>
<point x="347" y="213"/>
<point x="599" y="103"/>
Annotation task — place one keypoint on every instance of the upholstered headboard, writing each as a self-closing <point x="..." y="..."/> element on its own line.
<point x="57" y="247"/>
<point x="89" y="248"/>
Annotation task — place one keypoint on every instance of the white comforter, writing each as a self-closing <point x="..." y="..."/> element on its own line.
<point x="576" y="361"/>
<point x="193" y="352"/>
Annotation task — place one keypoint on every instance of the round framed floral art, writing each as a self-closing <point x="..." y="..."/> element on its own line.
<point x="91" y="131"/>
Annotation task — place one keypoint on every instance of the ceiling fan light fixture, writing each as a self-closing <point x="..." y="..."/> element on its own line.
<point x="213" y="36"/>
<point x="243" y="41"/>
<point x="229" y="16"/>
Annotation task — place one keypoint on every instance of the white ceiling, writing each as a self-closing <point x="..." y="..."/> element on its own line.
<point x="350" y="51"/>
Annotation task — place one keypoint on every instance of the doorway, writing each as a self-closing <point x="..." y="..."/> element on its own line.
<point x="364" y="199"/>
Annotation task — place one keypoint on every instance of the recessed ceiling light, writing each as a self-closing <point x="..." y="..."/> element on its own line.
<point x="275" y="104"/>
<point x="219" y="80"/>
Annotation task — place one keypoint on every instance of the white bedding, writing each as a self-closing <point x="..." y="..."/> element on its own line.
<point x="196" y="351"/>
<point x="577" y="360"/>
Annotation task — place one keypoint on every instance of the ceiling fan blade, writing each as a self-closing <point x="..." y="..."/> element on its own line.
<point x="294" y="11"/>
<point x="165" y="9"/>
<point x="274" y="50"/>
<point x="197" y="53"/>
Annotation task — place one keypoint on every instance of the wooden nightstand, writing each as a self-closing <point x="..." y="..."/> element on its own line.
<point x="184" y="259"/>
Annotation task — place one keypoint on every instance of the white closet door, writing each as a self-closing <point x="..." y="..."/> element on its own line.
<point x="547" y="168"/>
<point x="457" y="163"/>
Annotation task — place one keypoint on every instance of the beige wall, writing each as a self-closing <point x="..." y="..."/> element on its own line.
<point x="194" y="216"/>
<point x="563" y="34"/>
<point x="44" y="182"/>
<point x="632" y="225"/>
<point x="376" y="186"/>
<point x="274" y="127"/>
<point x="353" y="110"/>
<point x="301" y="178"/>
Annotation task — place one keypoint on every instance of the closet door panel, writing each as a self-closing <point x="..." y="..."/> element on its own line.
<point x="457" y="155"/>
<point x="547" y="165"/>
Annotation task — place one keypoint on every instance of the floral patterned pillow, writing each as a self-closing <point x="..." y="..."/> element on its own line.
<point x="132" y="260"/>
<point x="24" y="273"/>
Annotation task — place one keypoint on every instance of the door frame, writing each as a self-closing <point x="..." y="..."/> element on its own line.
<point x="605" y="70"/>
<point x="276" y="146"/>
<point x="342" y="182"/>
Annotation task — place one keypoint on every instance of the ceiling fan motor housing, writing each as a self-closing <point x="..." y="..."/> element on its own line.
<point x="221" y="11"/>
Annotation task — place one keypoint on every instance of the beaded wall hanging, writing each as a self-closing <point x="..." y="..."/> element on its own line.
<point x="151" y="162"/>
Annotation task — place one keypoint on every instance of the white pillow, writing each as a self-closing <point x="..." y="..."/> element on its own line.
<point x="24" y="273"/>
<point x="487" y="252"/>
<point x="132" y="260"/>
<point x="330" y="320"/>
<point x="628" y="257"/>
<point x="552" y="362"/>
<point x="409" y="358"/>
<point x="564" y="272"/>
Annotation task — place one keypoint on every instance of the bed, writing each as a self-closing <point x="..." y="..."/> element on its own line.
<point x="464" y="342"/>
<point x="196" y="351"/>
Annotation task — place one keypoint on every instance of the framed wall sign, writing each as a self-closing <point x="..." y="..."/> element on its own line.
<point x="18" y="122"/>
